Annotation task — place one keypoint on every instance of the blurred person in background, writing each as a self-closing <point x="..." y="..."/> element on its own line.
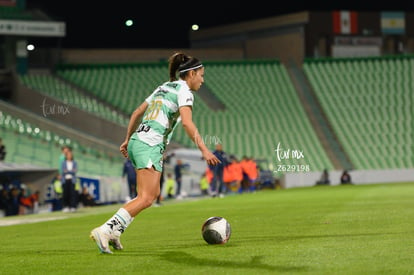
<point x="4" y="201"/>
<point x="178" y="172"/>
<point x="245" y="182"/>
<point x="217" y="184"/>
<point x="234" y="173"/>
<point x="250" y="174"/>
<point x="29" y="202"/>
<point x="345" y="177"/>
<point x="324" y="180"/>
<point x="86" y="198"/>
<point x="131" y="177"/>
<point x="13" y="204"/>
<point x="69" y="180"/>
<point x="56" y="193"/>
<point x="2" y="150"/>
<point x="62" y="157"/>
<point x="204" y="185"/>
<point x="170" y="186"/>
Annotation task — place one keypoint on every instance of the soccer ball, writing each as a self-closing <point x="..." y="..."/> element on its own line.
<point x="216" y="230"/>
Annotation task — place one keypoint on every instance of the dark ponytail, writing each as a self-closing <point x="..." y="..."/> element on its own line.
<point x="182" y="63"/>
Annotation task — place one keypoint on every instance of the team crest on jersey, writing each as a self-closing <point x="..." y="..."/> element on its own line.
<point x="173" y="85"/>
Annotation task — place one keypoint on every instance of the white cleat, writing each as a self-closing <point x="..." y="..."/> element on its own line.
<point x="102" y="240"/>
<point x="115" y="241"/>
<point x="116" y="244"/>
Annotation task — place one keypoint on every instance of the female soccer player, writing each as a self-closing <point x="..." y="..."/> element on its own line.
<point x="149" y="131"/>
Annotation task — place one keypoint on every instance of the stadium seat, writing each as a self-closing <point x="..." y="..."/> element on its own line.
<point x="28" y="143"/>
<point x="261" y="105"/>
<point x="367" y="101"/>
<point x="51" y="86"/>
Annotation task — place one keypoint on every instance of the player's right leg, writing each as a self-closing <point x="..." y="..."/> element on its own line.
<point x="145" y="158"/>
<point x="110" y="232"/>
<point x="148" y="181"/>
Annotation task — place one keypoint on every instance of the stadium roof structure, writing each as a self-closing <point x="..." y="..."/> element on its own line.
<point x="15" y="167"/>
<point x="22" y="22"/>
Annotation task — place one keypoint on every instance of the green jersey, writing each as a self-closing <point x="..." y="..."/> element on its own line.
<point x="162" y="114"/>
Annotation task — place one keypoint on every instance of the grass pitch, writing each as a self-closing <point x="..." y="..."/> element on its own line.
<point x="364" y="229"/>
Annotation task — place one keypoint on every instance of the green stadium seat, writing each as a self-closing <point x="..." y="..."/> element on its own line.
<point x="253" y="131"/>
<point x="365" y="100"/>
<point x="28" y="143"/>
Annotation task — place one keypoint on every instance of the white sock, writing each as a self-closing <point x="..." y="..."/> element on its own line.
<point x="118" y="222"/>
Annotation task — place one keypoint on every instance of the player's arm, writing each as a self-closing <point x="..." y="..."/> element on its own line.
<point x="190" y="128"/>
<point x="135" y="119"/>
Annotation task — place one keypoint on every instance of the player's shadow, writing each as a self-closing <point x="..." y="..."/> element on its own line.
<point x="279" y="239"/>
<point x="178" y="257"/>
